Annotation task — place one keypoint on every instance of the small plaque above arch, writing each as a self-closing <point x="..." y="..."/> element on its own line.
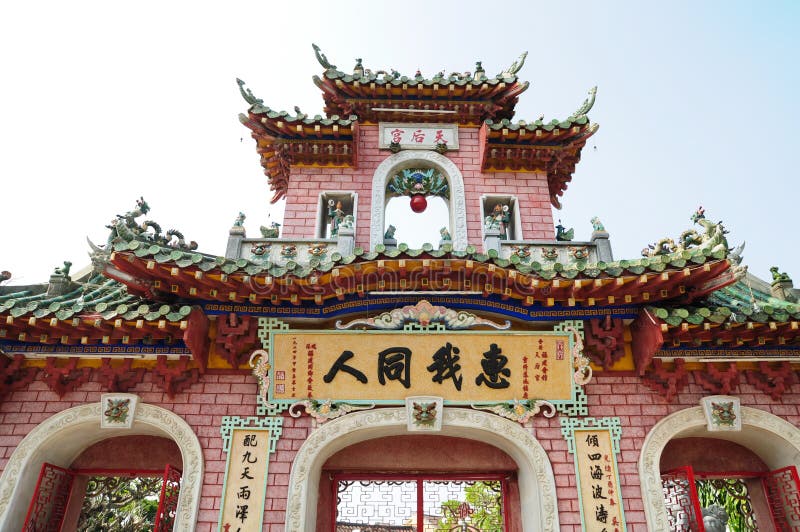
<point x="118" y="410"/>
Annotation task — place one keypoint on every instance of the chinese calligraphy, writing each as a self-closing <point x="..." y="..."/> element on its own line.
<point x="602" y="508"/>
<point x="242" y="507"/>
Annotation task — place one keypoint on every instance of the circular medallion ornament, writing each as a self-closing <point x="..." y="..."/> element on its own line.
<point x="418" y="203"/>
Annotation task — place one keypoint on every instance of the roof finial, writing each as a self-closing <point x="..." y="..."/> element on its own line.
<point x="515" y="67"/>
<point x="479" y="71"/>
<point x="247" y="94"/>
<point x="322" y="59"/>
<point x="588" y="103"/>
<point x="358" y="70"/>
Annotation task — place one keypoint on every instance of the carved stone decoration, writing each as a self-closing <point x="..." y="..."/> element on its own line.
<point x="66" y="378"/>
<point x="13" y="376"/>
<point x="773" y="381"/>
<point x="118" y="376"/>
<point x="424" y="413"/>
<point x="716" y="380"/>
<point x="667" y="382"/>
<point x="323" y="410"/>
<point x="176" y="377"/>
<point x="722" y="412"/>
<point x="67" y="433"/>
<point x="605" y="343"/>
<point x="536" y="481"/>
<point x="765" y="434"/>
<point x="236" y="336"/>
<point x="520" y="411"/>
<point x="261" y="371"/>
<point x="405" y="159"/>
<point x="118" y="410"/>
<point x="423" y="313"/>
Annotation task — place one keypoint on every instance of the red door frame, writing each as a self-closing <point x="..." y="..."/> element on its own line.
<point x="502" y="477"/>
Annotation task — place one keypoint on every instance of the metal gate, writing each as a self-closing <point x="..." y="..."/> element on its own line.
<point x="781" y="489"/>
<point x="50" y="499"/>
<point x="420" y="503"/>
<point x="49" y="502"/>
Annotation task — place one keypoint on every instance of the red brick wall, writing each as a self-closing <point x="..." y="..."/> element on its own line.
<point x="306" y="183"/>
<point x="205" y="403"/>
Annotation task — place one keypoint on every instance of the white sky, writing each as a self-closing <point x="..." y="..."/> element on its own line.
<point x="101" y="102"/>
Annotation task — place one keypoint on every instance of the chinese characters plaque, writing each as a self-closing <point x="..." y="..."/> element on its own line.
<point x="418" y="136"/>
<point x="246" y="480"/>
<point x="386" y="367"/>
<point x="598" y="481"/>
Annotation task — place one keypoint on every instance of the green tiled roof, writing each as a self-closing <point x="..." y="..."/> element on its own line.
<point x="303" y="118"/>
<point x="657" y="264"/>
<point x="737" y="302"/>
<point x="99" y="295"/>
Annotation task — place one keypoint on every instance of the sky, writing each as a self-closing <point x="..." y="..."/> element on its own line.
<point x="104" y="102"/>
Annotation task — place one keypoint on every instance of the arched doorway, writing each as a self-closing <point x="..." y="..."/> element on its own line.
<point x="416" y="158"/>
<point x="60" y="439"/>
<point x="771" y="439"/>
<point x="537" y="493"/>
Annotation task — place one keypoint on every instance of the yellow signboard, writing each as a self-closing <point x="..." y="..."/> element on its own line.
<point x="245" y="481"/>
<point x="381" y="366"/>
<point x="598" y="481"/>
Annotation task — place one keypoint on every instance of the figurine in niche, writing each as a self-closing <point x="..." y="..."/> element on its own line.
<point x="564" y="235"/>
<point x="348" y="222"/>
<point x="336" y="215"/>
<point x="499" y="220"/>
<point x="239" y="222"/>
<point x="445" y="234"/>
<point x="389" y="234"/>
<point x="272" y="231"/>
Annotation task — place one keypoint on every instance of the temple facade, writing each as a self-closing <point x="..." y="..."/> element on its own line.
<point x="321" y="374"/>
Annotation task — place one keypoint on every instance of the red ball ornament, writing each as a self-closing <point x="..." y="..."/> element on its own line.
<point x="418" y="203"/>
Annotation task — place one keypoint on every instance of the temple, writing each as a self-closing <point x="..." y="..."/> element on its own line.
<point x="322" y="375"/>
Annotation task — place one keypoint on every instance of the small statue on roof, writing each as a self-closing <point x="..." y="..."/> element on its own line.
<point x="563" y="234"/>
<point x="445" y="234"/>
<point x="247" y="94"/>
<point x="322" y="59"/>
<point x="778" y="277"/>
<point x="272" y="231"/>
<point x="63" y="271"/>
<point x="479" y="71"/>
<point x="239" y="222"/>
<point x="597" y="225"/>
<point x="389" y="234"/>
<point x="358" y="70"/>
<point x="5" y="275"/>
<point x="175" y="239"/>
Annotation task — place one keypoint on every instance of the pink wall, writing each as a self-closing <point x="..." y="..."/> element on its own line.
<point x="306" y="184"/>
<point x="205" y="403"/>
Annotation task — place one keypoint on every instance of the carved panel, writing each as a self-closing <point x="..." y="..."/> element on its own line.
<point x="605" y="343"/>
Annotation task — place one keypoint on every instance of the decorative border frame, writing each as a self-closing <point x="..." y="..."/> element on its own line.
<point x="273" y="426"/>
<point x="613" y="425"/>
<point x="323" y="410"/>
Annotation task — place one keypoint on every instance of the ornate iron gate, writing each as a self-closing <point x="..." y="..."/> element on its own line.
<point x="49" y="502"/>
<point x="420" y="503"/>
<point x="168" y="501"/>
<point x="782" y="488"/>
<point x="50" y="499"/>
<point x="680" y="497"/>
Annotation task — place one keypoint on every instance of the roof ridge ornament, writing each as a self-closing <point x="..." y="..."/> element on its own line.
<point x="323" y="60"/>
<point x="515" y="67"/>
<point x="588" y="103"/>
<point x="423" y="313"/>
<point x="247" y="94"/>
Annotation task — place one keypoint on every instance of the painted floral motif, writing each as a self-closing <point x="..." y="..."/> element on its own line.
<point x="520" y="411"/>
<point x="723" y="414"/>
<point x="549" y="253"/>
<point x="523" y="252"/>
<point x="117" y="410"/>
<point x="424" y="314"/>
<point x="289" y="251"/>
<point x="424" y="414"/>
<point x="579" y="252"/>
<point x="261" y="371"/>
<point x="318" y="250"/>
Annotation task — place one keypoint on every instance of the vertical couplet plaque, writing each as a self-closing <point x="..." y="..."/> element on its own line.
<point x="595" y="444"/>
<point x="245" y="487"/>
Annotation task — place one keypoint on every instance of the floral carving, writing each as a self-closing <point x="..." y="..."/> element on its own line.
<point x="424" y="314"/>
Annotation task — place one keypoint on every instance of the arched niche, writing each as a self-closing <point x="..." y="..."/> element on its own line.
<point x="772" y="439"/>
<point x="413" y="158"/>
<point x="537" y="490"/>
<point x="61" y="438"/>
